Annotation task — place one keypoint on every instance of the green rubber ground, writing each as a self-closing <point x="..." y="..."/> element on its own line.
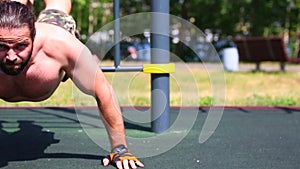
<point x="246" y="138"/>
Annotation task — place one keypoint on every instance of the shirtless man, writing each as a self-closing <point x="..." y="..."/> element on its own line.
<point x="35" y="56"/>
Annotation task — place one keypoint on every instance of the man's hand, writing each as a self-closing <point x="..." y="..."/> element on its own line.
<point x="121" y="158"/>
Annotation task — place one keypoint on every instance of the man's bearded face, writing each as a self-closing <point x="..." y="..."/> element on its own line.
<point x="15" y="49"/>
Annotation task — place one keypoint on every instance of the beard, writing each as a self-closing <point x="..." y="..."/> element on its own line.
<point x="14" y="70"/>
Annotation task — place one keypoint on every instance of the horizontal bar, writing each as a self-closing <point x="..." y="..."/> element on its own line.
<point x="122" y="69"/>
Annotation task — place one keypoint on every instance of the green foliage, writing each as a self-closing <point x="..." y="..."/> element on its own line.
<point x="80" y="2"/>
<point x="228" y="18"/>
<point x="206" y="101"/>
<point x="245" y="17"/>
<point x="231" y="18"/>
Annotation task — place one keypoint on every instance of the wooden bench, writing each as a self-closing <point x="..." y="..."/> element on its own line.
<point x="261" y="49"/>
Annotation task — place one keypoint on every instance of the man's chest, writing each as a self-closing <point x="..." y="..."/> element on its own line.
<point x="35" y="84"/>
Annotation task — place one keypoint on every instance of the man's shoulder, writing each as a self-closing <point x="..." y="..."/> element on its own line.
<point x="55" y="41"/>
<point x="47" y="38"/>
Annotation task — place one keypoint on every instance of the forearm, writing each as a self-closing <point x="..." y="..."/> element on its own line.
<point x="112" y="117"/>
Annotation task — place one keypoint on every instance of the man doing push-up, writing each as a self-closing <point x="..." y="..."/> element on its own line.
<point x="36" y="56"/>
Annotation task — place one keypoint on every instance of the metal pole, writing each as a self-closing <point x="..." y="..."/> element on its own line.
<point x="117" y="33"/>
<point x="122" y="69"/>
<point x="160" y="47"/>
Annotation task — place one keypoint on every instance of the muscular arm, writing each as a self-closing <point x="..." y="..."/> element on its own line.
<point x="79" y="64"/>
<point x="90" y="79"/>
<point x="77" y="61"/>
<point x="88" y="76"/>
<point x="111" y="113"/>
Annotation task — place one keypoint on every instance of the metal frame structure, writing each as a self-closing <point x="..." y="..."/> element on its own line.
<point x="160" y="67"/>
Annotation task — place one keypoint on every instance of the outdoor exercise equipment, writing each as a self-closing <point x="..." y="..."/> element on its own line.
<point x="160" y="66"/>
<point x="162" y="27"/>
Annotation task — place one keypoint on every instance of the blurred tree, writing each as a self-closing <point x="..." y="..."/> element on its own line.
<point x="228" y="18"/>
<point x="231" y="18"/>
<point x="91" y="15"/>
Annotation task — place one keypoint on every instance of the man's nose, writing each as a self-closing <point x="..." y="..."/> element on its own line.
<point x="11" y="55"/>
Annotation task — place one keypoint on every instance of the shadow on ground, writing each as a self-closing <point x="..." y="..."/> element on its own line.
<point x="30" y="143"/>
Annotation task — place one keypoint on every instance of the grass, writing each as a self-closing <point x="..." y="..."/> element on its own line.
<point x="263" y="89"/>
<point x="193" y="85"/>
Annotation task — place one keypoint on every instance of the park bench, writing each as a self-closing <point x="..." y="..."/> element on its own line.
<point x="262" y="49"/>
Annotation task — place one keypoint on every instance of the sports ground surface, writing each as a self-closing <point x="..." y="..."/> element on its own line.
<point x="246" y="138"/>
